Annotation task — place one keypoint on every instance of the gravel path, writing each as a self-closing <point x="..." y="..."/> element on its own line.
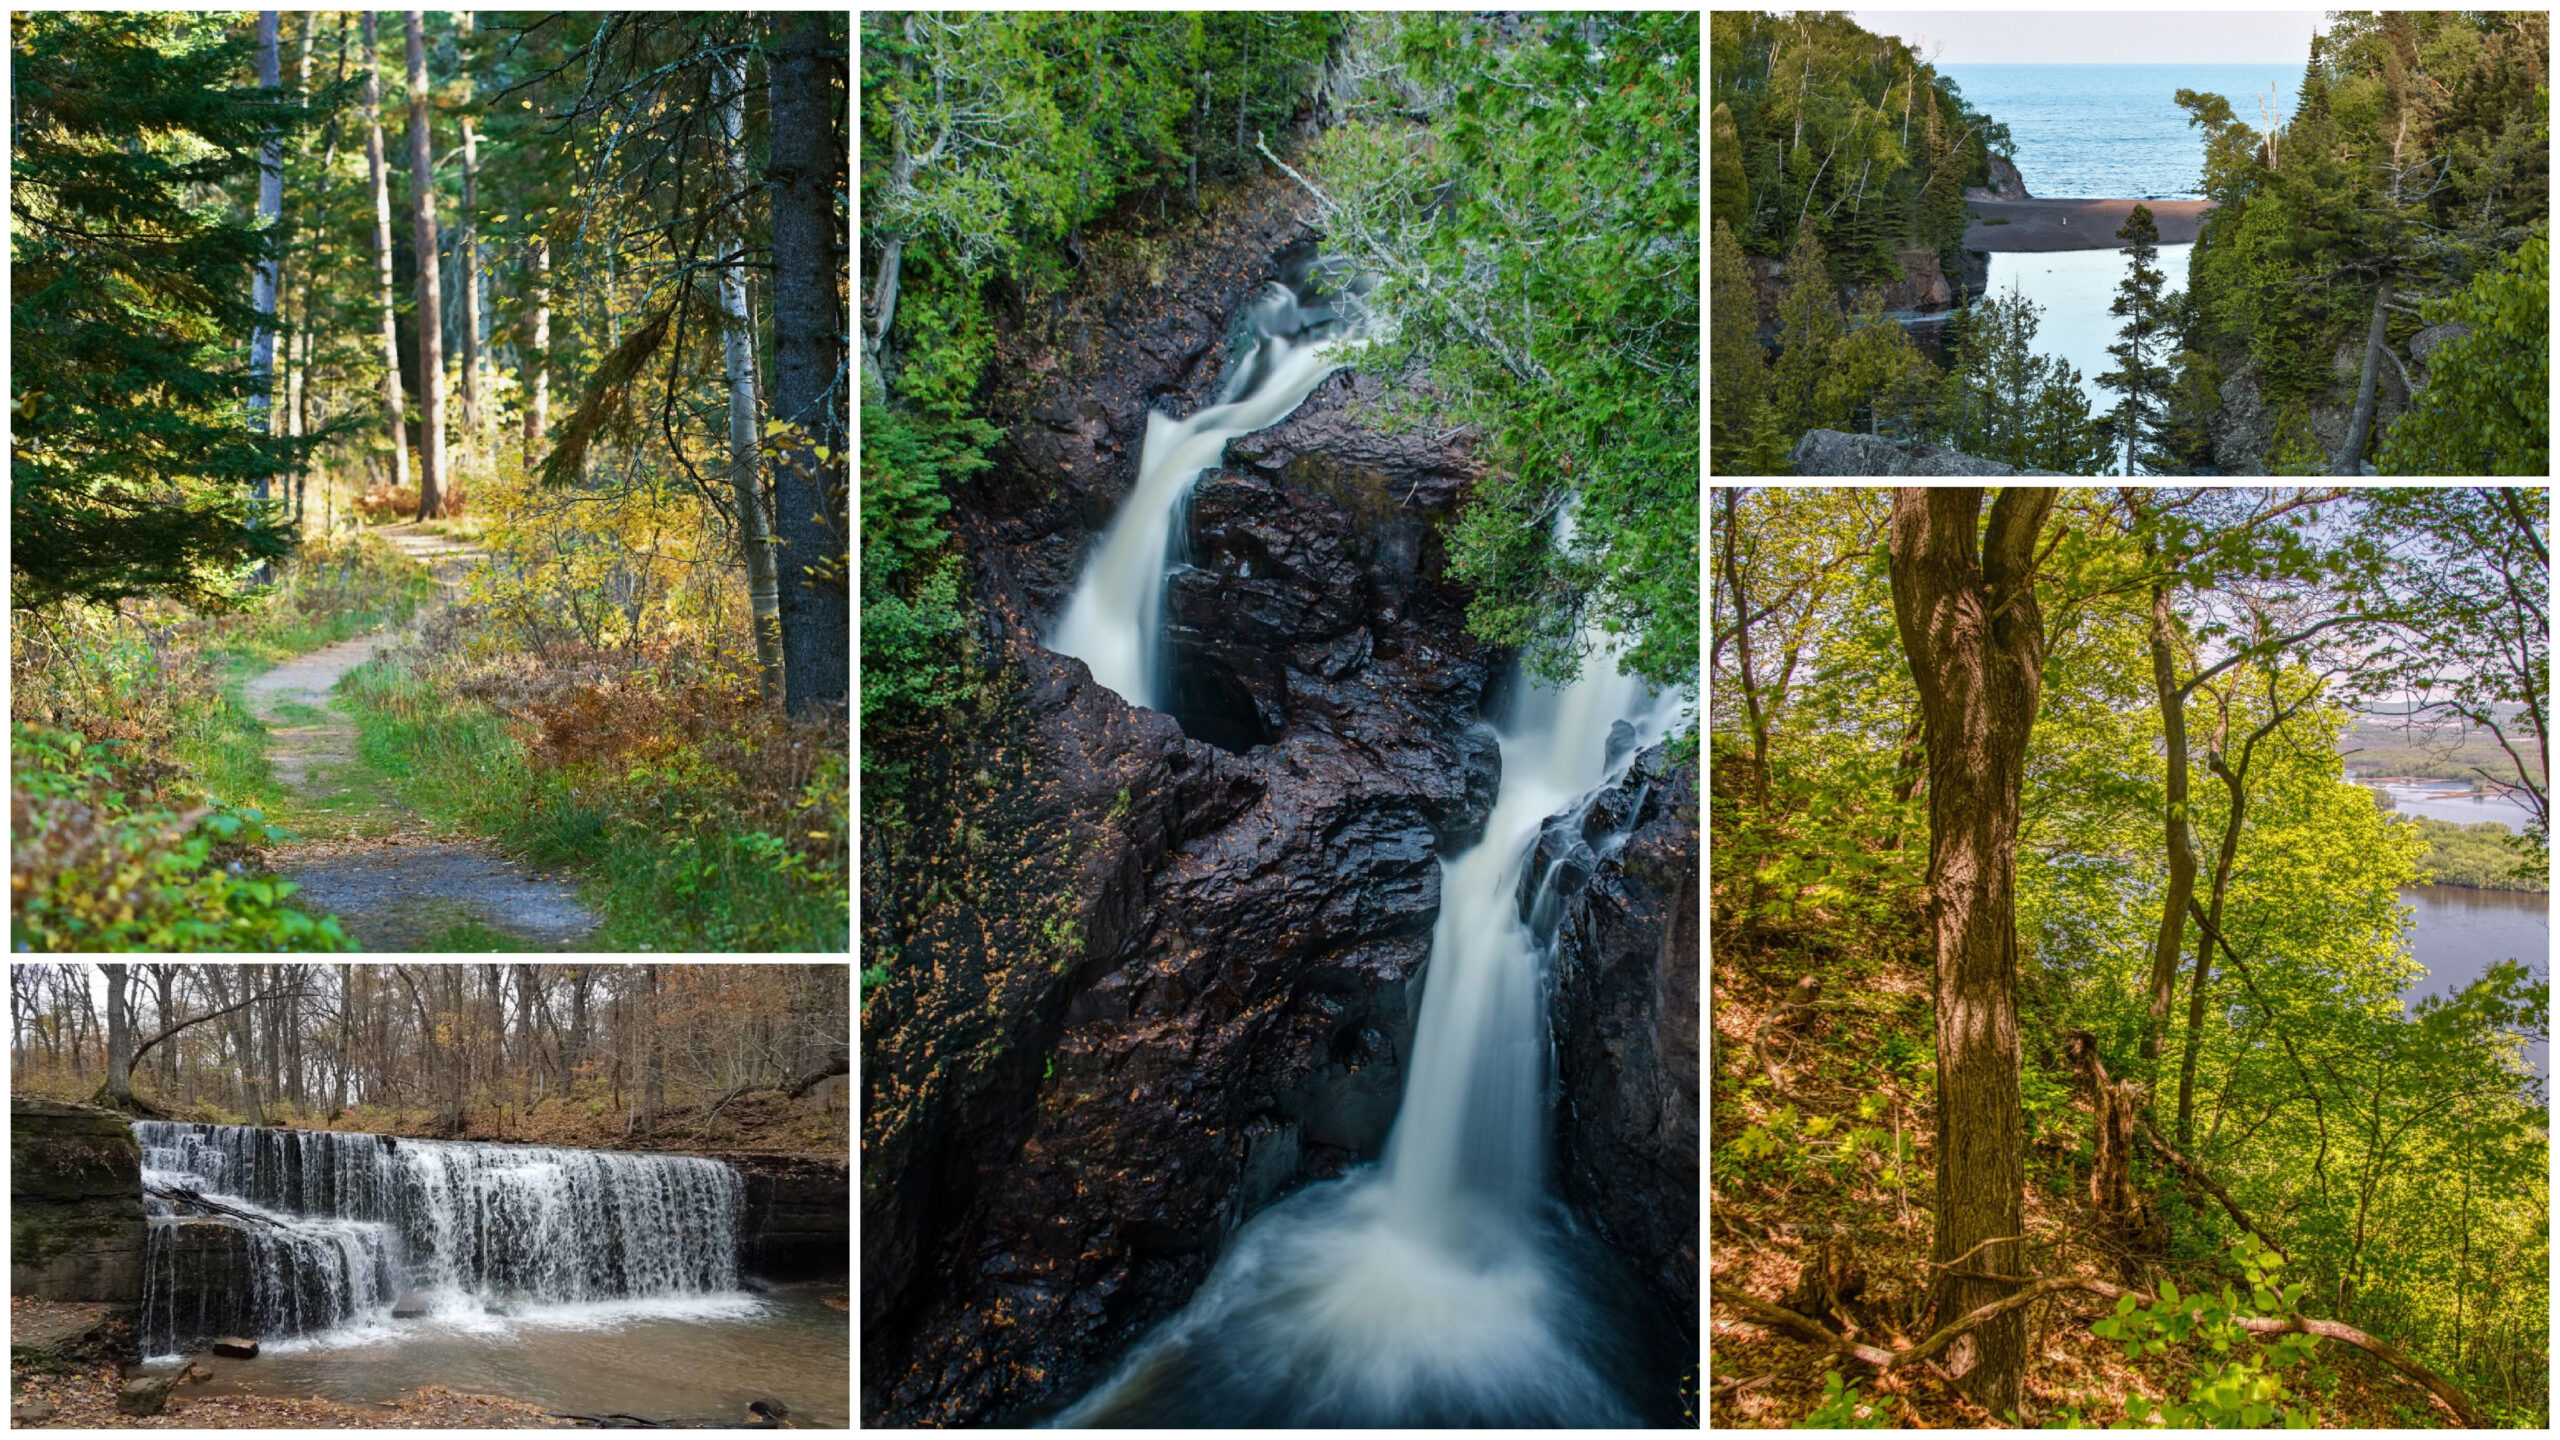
<point x="395" y="892"/>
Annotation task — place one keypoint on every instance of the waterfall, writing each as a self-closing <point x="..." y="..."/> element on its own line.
<point x="327" y="1230"/>
<point x="1114" y="622"/>
<point x="1442" y="1288"/>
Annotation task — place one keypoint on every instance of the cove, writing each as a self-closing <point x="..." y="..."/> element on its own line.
<point x="2075" y="287"/>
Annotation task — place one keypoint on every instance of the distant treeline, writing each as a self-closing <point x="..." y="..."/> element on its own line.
<point x="2478" y="857"/>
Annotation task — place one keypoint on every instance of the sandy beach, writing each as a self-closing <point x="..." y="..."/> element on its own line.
<point x="2041" y="225"/>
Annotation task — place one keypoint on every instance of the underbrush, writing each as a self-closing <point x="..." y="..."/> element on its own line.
<point x="708" y="820"/>
<point x="139" y="790"/>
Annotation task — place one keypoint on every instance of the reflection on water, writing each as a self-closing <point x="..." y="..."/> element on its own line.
<point x="789" y="1346"/>
<point x="2459" y="933"/>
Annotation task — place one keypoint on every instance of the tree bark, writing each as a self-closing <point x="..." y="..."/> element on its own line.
<point x="263" y="285"/>
<point x="394" y="404"/>
<point x="422" y="202"/>
<point x="1964" y="604"/>
<point x="118" y="1089"/>
<point x="738" y="348"/>
<point x="537" y="360"/>
<point x="810" y="490"/>
<point x="2177" y="835"/>
<point x="470" y="254"/>
<point x="2351" y="455"/>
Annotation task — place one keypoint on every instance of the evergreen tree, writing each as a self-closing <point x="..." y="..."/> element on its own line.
<point x="2486" y="409"/>
<point x="131" y="253"/>
<point x="2137" y="419"/>
<point x="1730" y="197"/>
<point x="1869" y="366"/>
<point x="2007" y="403"/>
<point x="1737" y="372"/>
<point x="1809" y="326"/>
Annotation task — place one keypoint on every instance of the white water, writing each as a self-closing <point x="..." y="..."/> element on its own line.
<point x="1440" y="1288"/>
<point x="1114" y="621"/>
<point x="344" y="1225"/>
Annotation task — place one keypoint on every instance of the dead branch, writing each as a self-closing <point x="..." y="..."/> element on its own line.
<point x="2195" y="1172"/>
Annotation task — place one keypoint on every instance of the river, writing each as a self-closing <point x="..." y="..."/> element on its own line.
<point x="2458" y="934"/>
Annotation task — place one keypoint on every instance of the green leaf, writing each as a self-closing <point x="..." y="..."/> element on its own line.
<point x="2169" y="1292"/>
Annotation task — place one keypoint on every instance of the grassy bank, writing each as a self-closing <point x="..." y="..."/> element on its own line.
<point x="700" y="824"/>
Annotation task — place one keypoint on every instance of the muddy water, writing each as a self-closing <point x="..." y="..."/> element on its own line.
<point x="700" y="1360"/>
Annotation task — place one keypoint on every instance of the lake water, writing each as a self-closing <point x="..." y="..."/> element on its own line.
<point x="792" y="1346"/>
<point x="2075" y="287"/>
<point x="2106" y="131"/>
<point x="2458" y="934"/>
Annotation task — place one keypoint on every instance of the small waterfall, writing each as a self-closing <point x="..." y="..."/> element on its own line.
<point x="326" y="1230"/>
<point x="1115" y="620"/>
<point x="1442" y="1288"/>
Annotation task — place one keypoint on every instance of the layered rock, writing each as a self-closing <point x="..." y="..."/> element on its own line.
<point x="1137" y="982"/>
<point x="75" y="1213"/>
<point x="1834" y="452"/>
<point x="1625" y="1019"/>
<point x="798" y="1221"/>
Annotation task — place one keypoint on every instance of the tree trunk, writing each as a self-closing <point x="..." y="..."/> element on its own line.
<point x="263" y="284"/>
<point x="470" y="249"/>
<point x="422" y="201"/>
<point x="810" y="488"/>
<point x="537" y="360"/>
<point x="118" y="1089"/>
<point x="2166" y="948"/>
<point x="2351" y="455"/>
<point x="394" y="405"/>
<point x="738" y="343"/>
<point x="2235" y="782"/>
<point x="1966" y="609"/>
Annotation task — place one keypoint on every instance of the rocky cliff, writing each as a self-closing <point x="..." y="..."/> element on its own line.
<point x="2006" y="184"/>
<point x="75" y="1204"/>
<point x="1143" y="974"/>
<point x="799" y="1215"/>
<point x="2244" y="426"/>
<point x="1625" y="1017"/>
<point x="1833" y="452"/>
<point x="1923" y="285"/>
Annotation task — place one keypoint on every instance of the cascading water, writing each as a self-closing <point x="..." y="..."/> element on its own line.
<point x="1115" y="620"/>
<point x="1444" y="1287"/>
<point x="325" y="1231"/>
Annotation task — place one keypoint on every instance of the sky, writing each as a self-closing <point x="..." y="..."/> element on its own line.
<point x="1994" y="37"/>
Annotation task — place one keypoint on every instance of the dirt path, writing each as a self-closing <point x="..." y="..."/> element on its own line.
<point x="393" y="884"/>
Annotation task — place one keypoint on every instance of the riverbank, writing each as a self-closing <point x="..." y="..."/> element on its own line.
<point x="2038" y="226"/>
<point x="86" y="1400"/>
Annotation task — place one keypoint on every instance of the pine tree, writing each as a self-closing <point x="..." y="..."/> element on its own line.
<point x="2139" y="374"/>
<point x="1809" y="326"/>
<point x="132" y="450"/>
<point x="1737" y="373"/>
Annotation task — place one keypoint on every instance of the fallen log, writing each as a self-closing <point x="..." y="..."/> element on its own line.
<point x="1778" y="1317"/>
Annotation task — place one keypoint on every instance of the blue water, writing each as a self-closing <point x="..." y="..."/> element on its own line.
<point x="2075" y="287"/>
<point x="2108" y="131"/>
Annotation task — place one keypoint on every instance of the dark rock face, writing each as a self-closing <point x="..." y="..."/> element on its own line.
<point x="2006" y="184"/>
<point x="1625" y="1017"/>
<point x="799" y="1215"/>
<point x="75" y="1215"/>
<point x="1141" y="981"/>
<point x="2244" y="425"/>
<point x="1832" y="452"/>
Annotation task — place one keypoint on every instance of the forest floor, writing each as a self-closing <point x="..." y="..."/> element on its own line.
<point x="86" y="1400"/>
<point x="1809" y="1118"/>
<point x="393" y="881"/>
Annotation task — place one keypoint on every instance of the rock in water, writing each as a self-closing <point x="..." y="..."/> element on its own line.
<point x="145" y="1394"/>
<point x="233" y="1347"/>
<point x="30" y="1412"/>
<point x="410" y="1306"/>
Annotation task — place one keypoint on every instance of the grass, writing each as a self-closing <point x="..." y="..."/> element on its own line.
<point x="666" y="870"/>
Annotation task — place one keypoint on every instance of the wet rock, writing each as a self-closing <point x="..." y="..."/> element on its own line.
<point x="1625" y="1019"/>
<point x="75" y="1215"/>
<point x="1833" y="452"/>
<point x="145" y="1394"/>
<point x="411" y="1306"/>
<point x="235" y="1348"/>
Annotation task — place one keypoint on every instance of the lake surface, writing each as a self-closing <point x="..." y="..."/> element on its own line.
<point x="704" y="1364"/>
<point x="2075" y="287"/>
<point x="2458" y="934"/>
<point x="2107" y="131"/>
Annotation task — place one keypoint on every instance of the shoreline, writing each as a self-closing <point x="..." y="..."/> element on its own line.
<point x="2042" y="226"/>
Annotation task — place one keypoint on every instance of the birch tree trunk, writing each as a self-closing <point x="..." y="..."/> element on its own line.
<point x="755" y="528"/>
<point x="394" y="405"/>
<point x="262" y="289"/>
<point x="537" y="363"/>
<point x="422" y="201"/>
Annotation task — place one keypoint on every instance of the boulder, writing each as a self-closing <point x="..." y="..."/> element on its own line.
<point x="1833" y="452"/>
<point x="33" y="1410"/>
<point x="411" y="1306"/>
<point x="145" y="1394"/>
<point x="232" y="1347"/>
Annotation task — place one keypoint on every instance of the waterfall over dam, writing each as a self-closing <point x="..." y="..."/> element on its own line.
<point x="304" y="1232"/>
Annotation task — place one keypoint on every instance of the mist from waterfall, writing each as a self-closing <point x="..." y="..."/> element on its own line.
<point x="314" y="1233"/>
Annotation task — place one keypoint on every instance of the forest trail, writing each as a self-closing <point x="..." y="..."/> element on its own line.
<point x="393" y="885"/>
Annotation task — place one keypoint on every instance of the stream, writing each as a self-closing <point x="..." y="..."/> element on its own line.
<point x="1443" y="1285"/>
